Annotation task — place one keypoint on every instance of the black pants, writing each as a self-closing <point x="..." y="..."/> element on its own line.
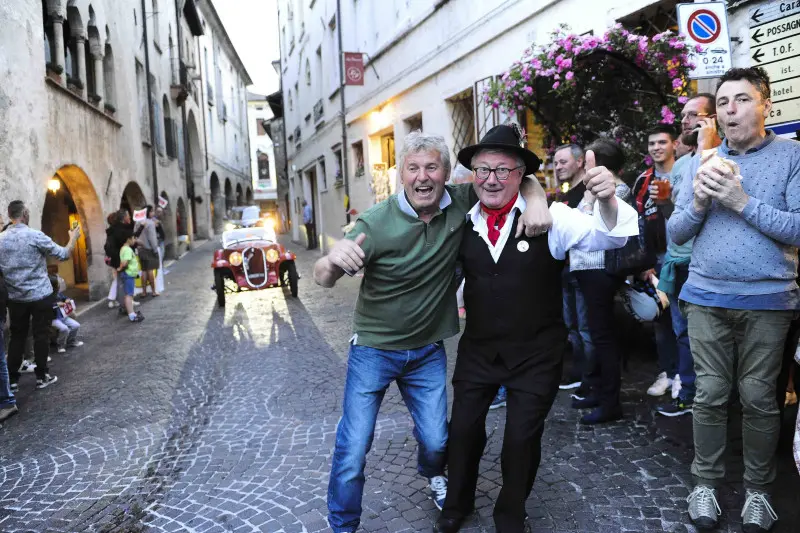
<point x="531" y="388"/>
<point x="312" y="235"/>
<point x="42" y="314"/>
<point x="598" y="289"/>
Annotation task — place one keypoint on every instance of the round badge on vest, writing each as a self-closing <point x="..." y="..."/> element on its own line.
<point x="523" y="246"/>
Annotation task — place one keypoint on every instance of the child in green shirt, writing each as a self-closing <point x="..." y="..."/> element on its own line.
<point x="128" y="272"/>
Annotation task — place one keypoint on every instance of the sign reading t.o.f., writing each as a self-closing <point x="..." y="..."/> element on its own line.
<point x="705" y="27"/>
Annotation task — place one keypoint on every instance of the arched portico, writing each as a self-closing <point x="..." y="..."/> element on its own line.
<point x="71" y="198"/>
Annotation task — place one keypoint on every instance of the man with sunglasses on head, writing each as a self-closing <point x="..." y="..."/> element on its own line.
<point x="515" y="333"/>
<point x="698" y="130"/>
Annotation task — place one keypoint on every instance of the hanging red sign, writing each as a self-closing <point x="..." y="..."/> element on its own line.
<point x="353" y="68"/>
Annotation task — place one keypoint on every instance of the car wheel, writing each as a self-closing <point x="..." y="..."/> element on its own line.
<point x="219" y="283"/>
<point x="291" y="270"/>
<point x="282" y="274"/>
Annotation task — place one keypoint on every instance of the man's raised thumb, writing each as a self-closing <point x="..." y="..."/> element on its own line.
<point x="360" y="239"/>
<point x="589" y="161"/>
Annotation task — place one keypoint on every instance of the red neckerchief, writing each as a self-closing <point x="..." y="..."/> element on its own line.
<point x="497" y="218"/>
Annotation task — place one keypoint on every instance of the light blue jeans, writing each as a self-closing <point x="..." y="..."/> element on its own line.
<point x="6" y="396"/>
<point x="421" y="376"/>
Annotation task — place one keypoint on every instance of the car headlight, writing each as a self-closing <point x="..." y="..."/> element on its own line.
<point x="235" y="259"/>
<point x="269" y="223"/>
<point x="272" y="255"/>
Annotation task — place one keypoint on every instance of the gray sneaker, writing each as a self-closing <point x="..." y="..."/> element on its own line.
<point x="757" y="514"/>
<point x="703" y="507"/>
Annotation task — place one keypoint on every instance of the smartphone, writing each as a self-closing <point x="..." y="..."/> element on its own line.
<point x="75" y="225"/>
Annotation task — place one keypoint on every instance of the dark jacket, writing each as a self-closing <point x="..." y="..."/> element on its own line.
<point x="116" y="235"/>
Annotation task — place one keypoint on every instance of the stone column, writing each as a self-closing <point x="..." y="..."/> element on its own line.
<point x="58" y="37"/>
<point x="80" y="42"/>
<point x="99" y="83"/>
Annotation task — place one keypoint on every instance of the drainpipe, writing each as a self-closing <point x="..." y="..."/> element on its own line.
<point x="150" y="107"/>
<point x="187" y="150"/>
<point x="345" y="169"/>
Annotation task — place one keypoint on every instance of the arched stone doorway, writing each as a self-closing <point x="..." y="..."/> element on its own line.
<point x="239" y="194"/>
<point x="180" y="217"/>
<point x="71" y="198"/>
<point x="202" y="218"/>
<point x="230" y="201"/>
<point x="132" y="197"/>
<point x="217" y="205"/>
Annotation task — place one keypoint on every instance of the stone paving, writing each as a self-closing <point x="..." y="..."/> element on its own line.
<point x="209" y="420"/>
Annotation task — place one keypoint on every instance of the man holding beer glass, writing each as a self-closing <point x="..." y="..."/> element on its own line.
<point x="651" y="190"/>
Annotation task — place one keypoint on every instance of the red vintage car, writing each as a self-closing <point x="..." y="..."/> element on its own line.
<point x="252" y="259"/>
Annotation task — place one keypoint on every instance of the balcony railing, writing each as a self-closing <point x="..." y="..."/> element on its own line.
<point x="319" y="111"/>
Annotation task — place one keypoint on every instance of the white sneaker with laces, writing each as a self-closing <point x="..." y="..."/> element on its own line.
<point x="757" y="514"/>
<point x="438" y="490"/>
<point x="27" y="367"/>
<point x="46" y="382"/>
<point x="112" y="304"/>
<point x="76" y="344"/>
<point x="704" y="509"/>
<point x="61" y="349"/>
<point x="676" y="386"/>
<point x="660" y="386"/>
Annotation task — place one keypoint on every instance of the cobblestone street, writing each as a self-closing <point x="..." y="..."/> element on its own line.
<point x="209" y="420"/>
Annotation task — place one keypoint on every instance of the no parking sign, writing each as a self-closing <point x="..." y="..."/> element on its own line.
<point x="705" y="27"/>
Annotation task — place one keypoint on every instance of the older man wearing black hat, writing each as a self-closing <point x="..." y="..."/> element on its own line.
<point x="515" y="333"/>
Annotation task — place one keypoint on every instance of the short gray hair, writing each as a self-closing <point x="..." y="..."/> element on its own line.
<point x="417" y="141"/>
<point x="16" y="209"/>
<point x="576" y="151"/>
<point x="520" y="162"/>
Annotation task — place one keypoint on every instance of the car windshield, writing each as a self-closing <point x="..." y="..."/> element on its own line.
<point x="247" y="234"/>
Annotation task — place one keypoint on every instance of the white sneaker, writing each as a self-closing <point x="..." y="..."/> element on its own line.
<point x="438" y="490"/>
<point x="660" y="386"/>
<point x="27" y="367"/>
<point x="112" y="304"/>
<point x="61" y="349"/>
<point x="76" y="344"/>
<point x="136" y="304"/>
<point x="676" y="386"/>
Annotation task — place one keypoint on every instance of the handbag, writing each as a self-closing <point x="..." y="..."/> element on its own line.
<point x="632" y="258"/>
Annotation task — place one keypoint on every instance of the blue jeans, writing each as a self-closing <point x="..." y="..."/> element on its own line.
<point x="680" y="326"/>
<point x="576" y="318"/>
<point x="6" y="396"/>
<point x="421" y="376"/>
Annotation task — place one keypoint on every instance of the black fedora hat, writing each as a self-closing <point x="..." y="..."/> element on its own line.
<point x="503" y="137"/>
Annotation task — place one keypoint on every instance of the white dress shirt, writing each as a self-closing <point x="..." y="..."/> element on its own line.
<point x="572" y="229"/>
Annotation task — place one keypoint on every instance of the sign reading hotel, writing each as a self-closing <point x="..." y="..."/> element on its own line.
<point x="705" y="28"/>
<point x="775" y="46"/>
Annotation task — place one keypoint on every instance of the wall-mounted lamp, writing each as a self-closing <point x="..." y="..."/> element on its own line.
<point x="54" y="185"/>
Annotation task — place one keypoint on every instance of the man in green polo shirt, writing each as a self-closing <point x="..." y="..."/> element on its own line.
<point x="406" y="307"/>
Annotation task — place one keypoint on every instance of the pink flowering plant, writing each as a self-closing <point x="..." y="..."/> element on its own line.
<point x="580" y="87"/>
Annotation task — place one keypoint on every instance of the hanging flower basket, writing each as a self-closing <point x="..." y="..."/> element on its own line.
<point x="619" y="86"/>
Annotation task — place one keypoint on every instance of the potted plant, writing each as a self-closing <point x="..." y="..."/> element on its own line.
<point x="95" y="98"/>
<point x="110" y="109"/>
<point x="75" y="84"/>
<point x="360" y="170"/>
<point x="54" y="71"/>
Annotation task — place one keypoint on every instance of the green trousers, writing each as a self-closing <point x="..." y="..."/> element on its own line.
<point x="741" y="348"/>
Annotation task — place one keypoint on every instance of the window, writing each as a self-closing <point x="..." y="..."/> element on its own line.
<point x="170" y="130"/>
<point x="323" y="177"/>
<point x="333" y="57"/>
<point x="414" y="123"/>
<point x="337" y="163"/>
<point x="462" y="114"/>
<point x="141" y="92"/>
<point x="358" y="158"/>
<point x="156" y="26"/>
<point x="49" y="43"/>
<point x="263" y="168"/>
<point x="108" y="78"/>
<point x="387" y="150"/>
<point x="308" y="72"/>
<point x="210" y="127"/>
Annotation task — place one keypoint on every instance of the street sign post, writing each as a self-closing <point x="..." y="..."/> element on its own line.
<point x="705" y="25"/>
<point x="775" y="46"/>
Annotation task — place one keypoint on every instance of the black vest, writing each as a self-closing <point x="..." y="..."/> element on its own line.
<point x="514" y="306"/>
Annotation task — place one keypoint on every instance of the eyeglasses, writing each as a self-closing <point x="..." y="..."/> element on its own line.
<point x="501" y="173"/>
<point x="694" y="115"/>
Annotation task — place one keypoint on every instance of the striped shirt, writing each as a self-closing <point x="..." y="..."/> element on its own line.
<point x="579" y="260"/>
<point x="23" y="262"/>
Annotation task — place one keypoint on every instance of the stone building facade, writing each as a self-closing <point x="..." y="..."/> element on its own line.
<point x="86" y="130"/>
